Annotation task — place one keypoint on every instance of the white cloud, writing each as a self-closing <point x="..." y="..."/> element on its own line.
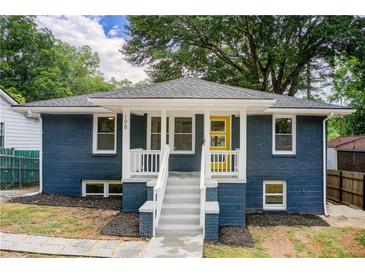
<point x="80" y="30"/>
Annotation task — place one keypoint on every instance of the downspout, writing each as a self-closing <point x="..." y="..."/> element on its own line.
<point x="41" y="156"/>
<point x="324" y="132"/>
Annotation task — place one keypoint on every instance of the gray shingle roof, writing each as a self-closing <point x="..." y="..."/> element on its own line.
<point x="185" y="88"/>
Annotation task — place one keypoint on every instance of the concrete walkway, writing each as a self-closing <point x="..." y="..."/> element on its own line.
<point x="345" y="216"/>
<point x="6" y="195"/>
<point x="71" y="247"/>
<point x="175" y="246"/>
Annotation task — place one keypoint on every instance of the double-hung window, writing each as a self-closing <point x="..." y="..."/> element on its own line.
<point x="179" y="134"/>
<point x="156" y="133"/>
<point x="183" y="134"/>
<point x="284" y="139"/>
<point x="274" y="195"/>
<point x="104" y="133"/>
<point x="2" y="134"/>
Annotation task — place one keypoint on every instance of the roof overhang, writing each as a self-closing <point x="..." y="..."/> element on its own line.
<point x="310" y="111"/>
<point x="60" y="110"/>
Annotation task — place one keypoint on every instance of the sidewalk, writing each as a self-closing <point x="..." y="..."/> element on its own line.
<point x="8" y="194"/>
<point x="71" y="247"/>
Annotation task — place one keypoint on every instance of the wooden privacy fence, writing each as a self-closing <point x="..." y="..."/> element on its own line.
<point x="346" y="187"/>
<point x="18" y="168"/>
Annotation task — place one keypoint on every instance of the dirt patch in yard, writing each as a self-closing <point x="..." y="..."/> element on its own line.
<point x="122" y="224"/>
<point x="237" y="236"/>
<point x="111" y="203"/>
<point x="284" y="219"/>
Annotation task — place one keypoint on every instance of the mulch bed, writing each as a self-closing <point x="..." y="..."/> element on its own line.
<point x="111" y="203"/>
<point x="122" y="224"/>
<point x="284" y="219"/>
<point x="237" y="236"/>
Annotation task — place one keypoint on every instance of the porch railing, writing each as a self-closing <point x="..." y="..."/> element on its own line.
<point x="159" y="189"/>
<point x="223" y="162"/>
<point x="145" y="162"/>
<point x="202" y="187"/>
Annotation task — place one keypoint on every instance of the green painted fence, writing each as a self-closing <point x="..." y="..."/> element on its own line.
<point x="18" y="168"/>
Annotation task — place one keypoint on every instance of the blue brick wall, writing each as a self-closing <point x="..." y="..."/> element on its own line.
<point x="145" y="224"/>
<point x="303" y="171"/>
<point x="232" y="204"/>
<point x="211" y="194"/>
<point x="138" y="131"/>
<point x="68" y="157"/>
<point x="211" y="227"/>
<point x="134" y="196"/>
<point x="67" y="154"/>
<point x="149" y="193"/>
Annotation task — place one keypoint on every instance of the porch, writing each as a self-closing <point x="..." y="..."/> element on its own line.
<point x="222" y="133"/>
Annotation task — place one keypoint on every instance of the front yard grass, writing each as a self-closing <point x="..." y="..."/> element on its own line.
<point x="295" y="242"/>
<point x="68" y="222"/>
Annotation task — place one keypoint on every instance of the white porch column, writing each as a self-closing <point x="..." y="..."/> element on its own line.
<point x="242" y="160"/>
<point x="126" y="164"/>
<point x="163" y="129"/>
<point x="207" y="141"/>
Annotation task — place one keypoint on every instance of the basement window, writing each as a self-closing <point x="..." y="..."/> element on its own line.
<point x="274" y="195"/>
<point x="102" y="188"/>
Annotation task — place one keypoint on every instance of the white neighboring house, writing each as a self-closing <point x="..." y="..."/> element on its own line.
<point x="16" y="129"/>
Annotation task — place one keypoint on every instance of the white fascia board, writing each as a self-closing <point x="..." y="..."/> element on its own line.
<point x="309" y="111"/>
<point x="61" y="110"/>
<point x="8" y="98"/>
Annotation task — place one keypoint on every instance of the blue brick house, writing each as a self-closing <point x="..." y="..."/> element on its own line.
<point x="189" y="155"/>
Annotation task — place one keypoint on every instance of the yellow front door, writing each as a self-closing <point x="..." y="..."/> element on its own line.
<point x="220" y="139"/>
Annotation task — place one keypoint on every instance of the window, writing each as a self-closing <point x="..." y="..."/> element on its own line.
<point x="274" y="195"/>
<point x="104" y="137"/>
<point x="179" y="134"/>
<point x="101" y="188"/>
<point x="2" y="134"/>
<point x="284" y="134"/>
<point x="156" y="132"/>
<point x="183" y="136"/>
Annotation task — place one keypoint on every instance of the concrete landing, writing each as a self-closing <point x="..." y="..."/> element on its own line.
<point x="175" y="246"/>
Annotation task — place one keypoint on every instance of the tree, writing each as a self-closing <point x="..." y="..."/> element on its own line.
<point x="34" y="65"/>
<point x="349" y="89"/>
<point x="270" y="53"/>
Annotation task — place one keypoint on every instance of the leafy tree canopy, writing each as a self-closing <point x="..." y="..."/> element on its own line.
<point x="270" y="53"/>
<point x="35" y="66"/>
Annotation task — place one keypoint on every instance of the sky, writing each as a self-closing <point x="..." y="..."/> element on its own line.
<point x="104" y="34"/>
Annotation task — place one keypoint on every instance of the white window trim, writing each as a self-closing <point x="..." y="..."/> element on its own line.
<point x="95" y="134"/>
<point x="4" y="134"/>
<point x="106" y="192"/>
<point x="172" y="132"/>
<point x="294" y="135"/>
<point x="271" y="206"/>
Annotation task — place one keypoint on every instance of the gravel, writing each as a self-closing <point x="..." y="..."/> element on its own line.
<point x="236" y="236"/>
<point x="284" y="219"/>
<point x="122" y="224"/>
<point x="111" y="203"/>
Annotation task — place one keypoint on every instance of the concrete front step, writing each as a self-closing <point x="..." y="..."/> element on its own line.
<point x="178" y="229"/>
<point x="182" y="190"/>
<point x="189" y="219"/>
<point x="182" y="198"/>
<point x="180" y="209"/>
<point x="183" y="183"/>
